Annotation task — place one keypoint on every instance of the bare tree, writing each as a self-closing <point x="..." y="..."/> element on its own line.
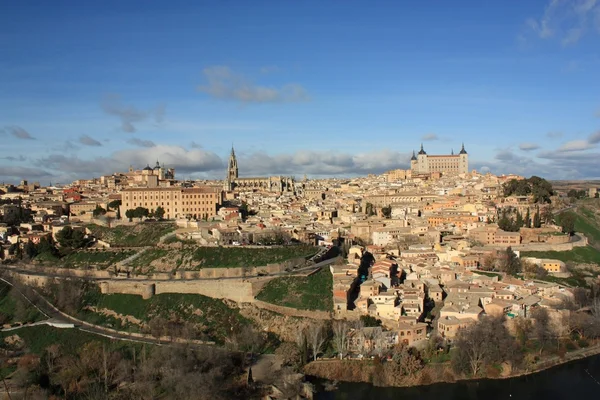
<point x="315" y="334"/>
<point x="340" y="337"/>
<point x="541" y="327"/>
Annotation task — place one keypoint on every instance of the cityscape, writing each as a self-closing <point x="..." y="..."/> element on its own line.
<point x="305" y="237"/>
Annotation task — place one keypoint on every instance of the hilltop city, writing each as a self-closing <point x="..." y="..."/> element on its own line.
<point x="406" y="266"/>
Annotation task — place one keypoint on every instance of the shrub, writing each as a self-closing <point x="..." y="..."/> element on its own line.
<point x="583" y="343"/>
<point x="570" y="346"/>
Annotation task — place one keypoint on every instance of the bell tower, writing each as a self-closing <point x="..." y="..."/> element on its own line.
<point x="232" y="171"/>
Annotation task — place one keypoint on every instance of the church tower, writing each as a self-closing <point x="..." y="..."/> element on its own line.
<point x="232" y="171"/>
<point x="463" y="167"/>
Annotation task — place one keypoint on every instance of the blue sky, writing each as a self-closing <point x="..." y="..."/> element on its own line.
<point x="322" y="88"/>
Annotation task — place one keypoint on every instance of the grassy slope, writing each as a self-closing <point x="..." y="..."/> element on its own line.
<point x="314" y="292"/>
<point x="587" y="223"/>
<point x="102" y="259"/>
<point x="577" y="255"/>
<point x="196" y="257"/>
<point x="8" y="307"/>
<point x="143" y="234"/>
<point x="213" y="315"/>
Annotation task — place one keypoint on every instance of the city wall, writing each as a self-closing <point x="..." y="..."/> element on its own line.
<point x="235" y="290"/>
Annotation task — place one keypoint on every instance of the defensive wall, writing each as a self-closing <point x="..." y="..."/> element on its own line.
<point x="582" y="242"/>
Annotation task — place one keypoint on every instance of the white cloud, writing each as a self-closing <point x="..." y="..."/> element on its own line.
<point x="567" y="21"/>
<point x="554" y="135"/>
<point x="225" y="84"/>
<point x="594" y="138"/>
<point x="141" y="142"/>
<point x="18" y="132"/>
<point x="89" y="141"/>
<point x="529" y="146"/>
<point x="128" y="114"/>
<point x="575" y="145"/>
<point x="430" y="137"/>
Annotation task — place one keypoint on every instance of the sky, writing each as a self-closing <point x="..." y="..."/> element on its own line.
<point x="323" y="88"/>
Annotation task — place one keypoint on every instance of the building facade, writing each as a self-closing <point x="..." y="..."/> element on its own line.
<point x="422" y="163"/>
<point x="271" y="183"/>
<point x="178" y="202"/>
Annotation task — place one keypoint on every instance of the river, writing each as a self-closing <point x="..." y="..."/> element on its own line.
<point x="575" y="380"/>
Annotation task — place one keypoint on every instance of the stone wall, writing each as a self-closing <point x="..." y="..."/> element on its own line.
<point x="236" y="290"/>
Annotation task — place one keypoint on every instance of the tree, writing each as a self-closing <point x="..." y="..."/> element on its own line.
<point x="519" y="222"/>
<point x="71" y="238"/>
<point x="527" y="221"/>
<point x="130" y="214"/>
<point x="99" y="211"/>
<point x="370" y="321"/>
<point x="407" y="360"/>
<point x="115" y="204"/>
<point x="482" y="344"/>
<point x="340" y="337"/>
<point x="567" y="222"/>
<point x="537" y="220"/>
<point x="159" y="213"/>
<point x="511" y="264"/>
<point x="541" y="327"/>
<point x="315" y="334"/>
<point x="547" y="215"/>
<point x="387" y="211"/>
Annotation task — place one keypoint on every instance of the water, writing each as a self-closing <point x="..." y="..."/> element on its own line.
<point x="568" y="381"/>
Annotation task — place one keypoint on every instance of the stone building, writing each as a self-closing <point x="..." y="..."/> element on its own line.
<point x="178" y="202"/>
<point x="271" y="183"/>
<point x="422" y="163"/>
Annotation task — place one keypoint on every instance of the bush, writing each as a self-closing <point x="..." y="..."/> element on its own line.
<point x="583" y="343"/>
<point x="570" y="346"/>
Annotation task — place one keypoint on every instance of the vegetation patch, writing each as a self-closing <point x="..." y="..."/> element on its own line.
<point x="579" y="255"/>
<point x="142" y="234"/>
<point x="14" y="308"/>
<point x="314" y="292"/>
<point x="211" y="318"/>
<point x="490" y="274"/>
<point x="192" y="257"/>
<point x="101" y="259"/>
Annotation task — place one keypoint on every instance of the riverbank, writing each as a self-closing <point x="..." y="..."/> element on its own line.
<point x="573" y="380"/>
<point x="383" y="374"/>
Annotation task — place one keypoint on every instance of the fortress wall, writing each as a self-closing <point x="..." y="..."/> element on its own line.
<point x="239" y="291"/>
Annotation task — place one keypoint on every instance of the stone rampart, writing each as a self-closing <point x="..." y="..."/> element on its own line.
<point x="236" y="290"/>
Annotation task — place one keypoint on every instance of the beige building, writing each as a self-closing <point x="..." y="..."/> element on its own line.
<point x="178" y="202"/>
<point x="422" y="163"/>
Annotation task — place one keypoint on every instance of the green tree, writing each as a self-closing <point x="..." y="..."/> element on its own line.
<point x="130" y="214"/>
<point x="511" y="264"/>
<point x="527" y="221"/>
<point x="114" y="204"/>
<point x="71" y="238"/>
<point x="567" y="222"/>
<point x="370" y="321"/>
<point x="159" y="213"/>
<point x="537" y="220"/>
<point x="30" y="250"/>
<point x="519" y="222"/>
<point x="99" y="211"/>
<point x="387" y="211"/>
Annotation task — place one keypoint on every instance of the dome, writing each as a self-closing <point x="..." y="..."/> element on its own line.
<point x="414" y="157"/>
<point x="422" y="151"/>
<point x="147" y="168"/>
<point x="463" y="151"/>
